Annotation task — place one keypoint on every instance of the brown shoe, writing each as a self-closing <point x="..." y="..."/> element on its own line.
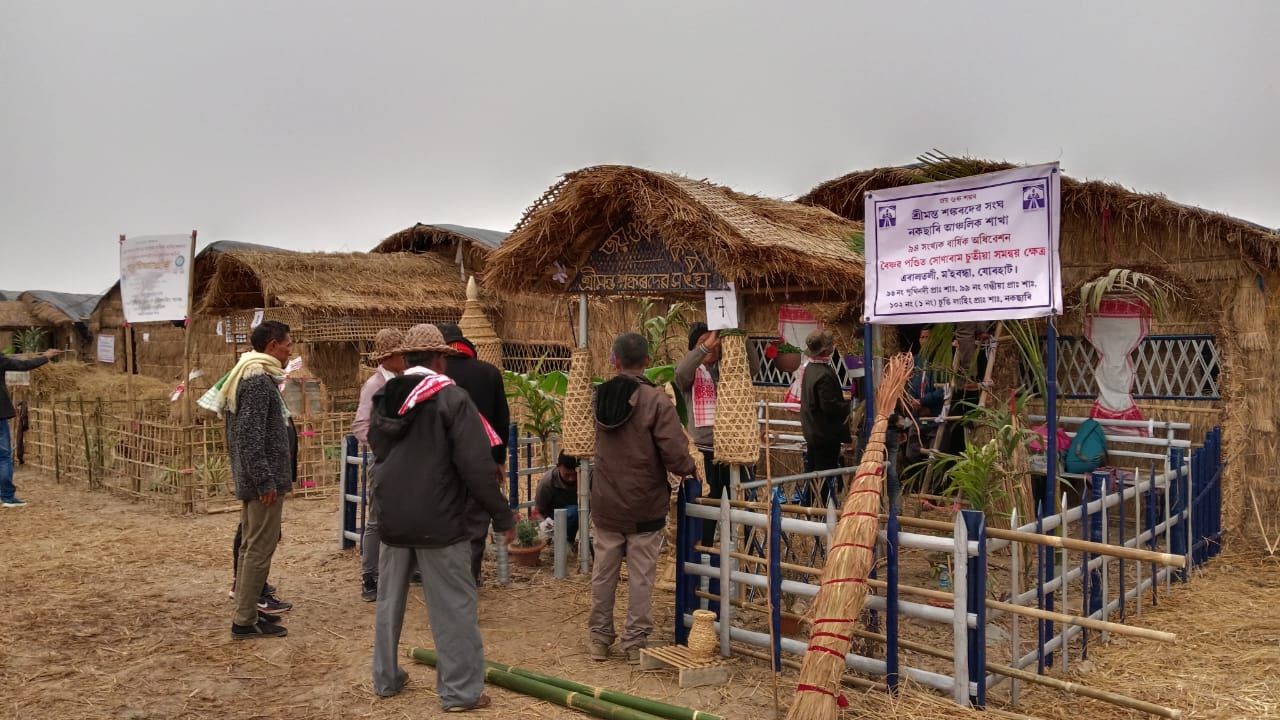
<point x="480" y="704"/>
<point x="599" y="651"/>
<point x="633" y="656"/>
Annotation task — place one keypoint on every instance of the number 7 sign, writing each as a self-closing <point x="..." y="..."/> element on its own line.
<point x="722" y="309"/>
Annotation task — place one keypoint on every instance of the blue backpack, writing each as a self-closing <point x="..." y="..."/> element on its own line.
<point x="1087" y="448"/>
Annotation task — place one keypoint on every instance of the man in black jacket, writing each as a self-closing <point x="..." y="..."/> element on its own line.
<point x="483" y="382"/>
<point x="8" y="493"/>
<point x="824" y="411"/>
<point x="433" y="454"/>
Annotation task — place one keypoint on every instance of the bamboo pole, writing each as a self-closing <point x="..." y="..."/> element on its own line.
<point x="1128" y="553"/>
<point x="88" y="458"/>
<point x="673" y="712"/>
<point x="1117" y="699"/>
<point x="57" y="455"/>
<point x="557" y="695"/>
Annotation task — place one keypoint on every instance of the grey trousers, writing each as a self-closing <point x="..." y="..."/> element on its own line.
<point x="451" y="608"/>
<point x="371" y="544"/>
<point x="642" y="569"/>
<point x="261" y="527"/>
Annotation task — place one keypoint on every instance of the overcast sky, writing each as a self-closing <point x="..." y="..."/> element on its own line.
<point x="329" y="125"/>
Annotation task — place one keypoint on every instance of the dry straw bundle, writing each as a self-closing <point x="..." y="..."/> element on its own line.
<point x="736" y="438"/>
<point x="849" y="562"/>
<point x="577" y="424"/>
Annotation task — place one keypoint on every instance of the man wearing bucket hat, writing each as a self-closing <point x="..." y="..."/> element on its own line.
<point x="433" y="451"/>
<point x="386" y="352"/>
<point x="824" y="411"/>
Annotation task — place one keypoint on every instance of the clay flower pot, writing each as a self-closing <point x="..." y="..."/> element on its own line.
<point x="527" y="556"/>
<point x="787" y="362"/>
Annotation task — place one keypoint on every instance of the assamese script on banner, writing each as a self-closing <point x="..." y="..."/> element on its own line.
<point x="977" y="248"/>
<point x="153" y="277"/>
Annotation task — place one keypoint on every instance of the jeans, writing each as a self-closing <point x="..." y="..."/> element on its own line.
<point x="7" y="490"/>
<point x="571" y="524"/>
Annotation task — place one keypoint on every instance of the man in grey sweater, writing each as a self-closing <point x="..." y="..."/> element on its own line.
<point x="261" y="465"/>
<point x="8" y="493"/>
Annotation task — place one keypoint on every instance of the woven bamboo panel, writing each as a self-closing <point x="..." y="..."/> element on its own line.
<point x="737" y="435"/>
<point x="578" y="431"/>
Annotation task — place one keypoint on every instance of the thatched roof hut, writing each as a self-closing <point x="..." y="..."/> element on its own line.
<point x="334" y="303"/>
<point x="466" y="247"/>
<point x="1205" y="363"/>
<point x="67" y="314"/>
<point x="763" y="245"/>
<point x="237" y="277"/>
<point x="625" y="231"/>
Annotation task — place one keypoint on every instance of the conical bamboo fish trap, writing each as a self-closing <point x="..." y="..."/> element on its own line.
<point x="737" y="440"/>
<point x="849" y="561"/>
<point x="577" y="421"/>
<point x="476" y="327"/>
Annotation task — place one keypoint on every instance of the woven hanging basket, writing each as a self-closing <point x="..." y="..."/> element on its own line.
<point x="577" y="423"/>
<point x="736" y="434"/>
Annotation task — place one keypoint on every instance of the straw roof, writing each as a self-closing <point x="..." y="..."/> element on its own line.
<point x="239" y="276"/>
<point x="1085" y="200"/>
<point x="423" y="238"/>
<point x="15" y="314"/>
<point x="59" y="308"/>
<point x="759" y="243"/>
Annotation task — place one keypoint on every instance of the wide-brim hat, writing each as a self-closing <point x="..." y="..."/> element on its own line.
<point x="426" y="338"/>
<point x="819" y="343"/>
<point x="386" y="343"/>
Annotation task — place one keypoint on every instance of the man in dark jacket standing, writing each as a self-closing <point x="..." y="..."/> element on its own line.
<point x="639" y="440"/>
<point x="824" y="411"/>
<point x="8" y="493"/>
<point x="261" y="465"/>
<point x="483" y="382"/>
<point x="433" y="450"/>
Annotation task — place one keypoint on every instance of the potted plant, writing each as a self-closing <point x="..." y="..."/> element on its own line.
<point x="527" y="549"/>
<point x="784" y="356"/>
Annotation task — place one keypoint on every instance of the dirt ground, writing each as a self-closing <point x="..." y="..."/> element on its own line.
<point x="110" y="609"/>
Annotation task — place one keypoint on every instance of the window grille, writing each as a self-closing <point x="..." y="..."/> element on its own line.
<point x="1166" y="367"/>
<point x="523" y="357"/>
<point x="764" y="373"/>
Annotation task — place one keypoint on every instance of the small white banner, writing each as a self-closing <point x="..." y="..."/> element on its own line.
<point x="722" y="309"/>
<point x="107" y="348"/>
<point x="153" y="277"/>
<point x="978" y="248"/>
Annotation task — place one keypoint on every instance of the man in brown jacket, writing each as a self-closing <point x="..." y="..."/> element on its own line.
<point x="639" y="440"/>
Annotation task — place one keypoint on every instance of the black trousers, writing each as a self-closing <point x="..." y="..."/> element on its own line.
<point x="717" y="481"/>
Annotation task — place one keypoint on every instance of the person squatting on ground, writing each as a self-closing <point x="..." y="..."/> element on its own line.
<point x="698" y="378"/>
<point x="8" y="493"/>
<point x="824" y="411"/>
<point x="257" y="431"/>
<point x="483" y="382"/>
<point x="433" y="450"/>
<point x="558" y="489"/>
<point x="638" y="441"/>
<point x="386" y="352"/>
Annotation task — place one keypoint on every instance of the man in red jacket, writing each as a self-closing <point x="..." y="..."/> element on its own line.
<point x="639" y="439"/>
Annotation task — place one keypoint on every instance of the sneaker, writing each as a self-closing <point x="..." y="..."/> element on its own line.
<point x="480" y="704"/>
<point x="599" y="651"/>
<point x="13" y="503"/>
<point x="268" y="618"/>
<point x="273" y="604"/>
<point x="633" y="656"/>
<point x="369" y="588"/>
<point x="259" y="629"/>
